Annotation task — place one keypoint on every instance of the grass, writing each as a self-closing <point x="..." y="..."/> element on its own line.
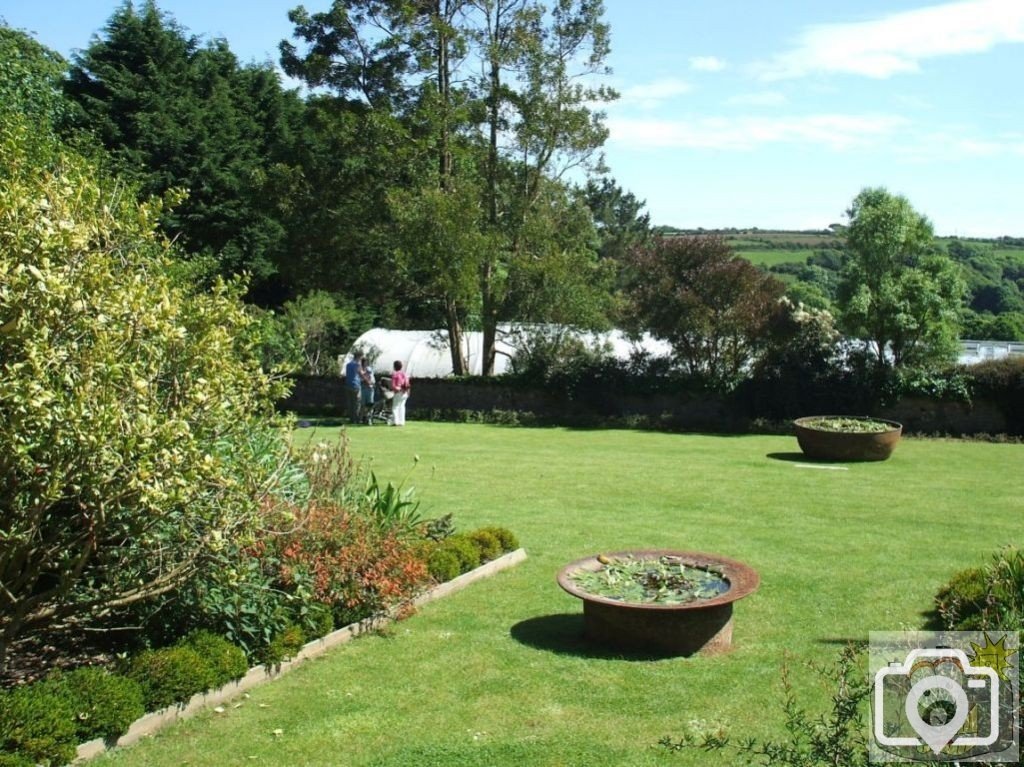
<point x="774" y="257"/>
<point x="496" y="674"/>
<point x="763" y="238"/>
<point x="1010" y="254"/>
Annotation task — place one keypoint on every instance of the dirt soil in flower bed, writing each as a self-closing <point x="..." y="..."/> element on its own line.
<point x="31" y="659"/>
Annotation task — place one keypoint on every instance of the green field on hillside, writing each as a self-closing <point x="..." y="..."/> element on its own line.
<point x="768" y="258"/>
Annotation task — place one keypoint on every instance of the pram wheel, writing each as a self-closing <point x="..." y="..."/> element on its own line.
<point x="380" y="411"/>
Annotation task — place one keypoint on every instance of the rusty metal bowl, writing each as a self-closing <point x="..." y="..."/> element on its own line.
<point x="824" y="445"/>
<point x="702" y="626"/>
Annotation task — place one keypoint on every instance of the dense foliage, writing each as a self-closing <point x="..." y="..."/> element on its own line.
<point x="175" y="113"/>
<point x="104" y="704"/>
<point x="987" y="597"/>
<point x="895" y="291"/>
<point x="455" y="118"/>
<point x="174" y="674"/>
<point x="126" y="399"/>
<point x="37" y="726"/>
<point x="331" y="548"/>
<point x="714" y="308"/>
<point x="993" y="270"/>
<point x="30" y="78"/>
<point x="491" y="101"/>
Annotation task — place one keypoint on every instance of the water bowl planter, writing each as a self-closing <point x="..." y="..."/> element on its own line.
<point x="847" y="438"/>
<point x="702" y="625"/>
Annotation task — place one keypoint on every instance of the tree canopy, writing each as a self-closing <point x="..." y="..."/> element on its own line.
<point x="173" y="112"/>
<point x="897" y="291"/>
<point x="488" y="93"/>
<point x="126" y="398"/>
<point x="712" y="306"/>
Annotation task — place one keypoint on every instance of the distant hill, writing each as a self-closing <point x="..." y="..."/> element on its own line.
<point x="784" y="239"/>
<point x="809" y="262"/>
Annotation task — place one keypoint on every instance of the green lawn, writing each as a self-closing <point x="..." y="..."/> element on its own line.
<point x="496" y="674"/>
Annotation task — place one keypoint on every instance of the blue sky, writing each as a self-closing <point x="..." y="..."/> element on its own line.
<point x="744" y="113"/>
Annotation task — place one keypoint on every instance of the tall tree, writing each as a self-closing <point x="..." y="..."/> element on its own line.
<point x="440" y="245"/>
<point x="540" y="119"/>
<point x="525" y="122"/>
<point x="896" y="291"/>
<point x="392" y="61"/>
<point x="30" y="79"/>
<point x="618" y="216"/>
<point x="440" y="110"/>
<point x="173" y="112"/>
<point x="560" y="281"/>
<point x="333" y="201"/>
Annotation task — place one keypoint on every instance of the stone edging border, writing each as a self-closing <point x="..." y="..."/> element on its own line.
<point x="258" y="675"/>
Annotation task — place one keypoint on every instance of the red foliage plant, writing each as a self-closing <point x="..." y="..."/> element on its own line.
<point x="345" y="561"/>
<point x="710" y="305"/>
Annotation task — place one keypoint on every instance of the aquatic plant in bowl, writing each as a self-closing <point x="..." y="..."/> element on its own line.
<point x="666" y="580"/>
<point x="847" y="438"/>
<point x="658" y="601"/>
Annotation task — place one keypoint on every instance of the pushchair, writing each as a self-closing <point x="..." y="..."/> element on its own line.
<point x="380" y="411"/>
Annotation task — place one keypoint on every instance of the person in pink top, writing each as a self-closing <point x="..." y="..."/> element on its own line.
<point x="400" y="386"/>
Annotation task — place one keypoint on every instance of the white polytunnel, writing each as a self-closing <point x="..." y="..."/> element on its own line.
<point x="425" y="353"/>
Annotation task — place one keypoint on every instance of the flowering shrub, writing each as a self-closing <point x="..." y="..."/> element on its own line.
<point x="343" y="559"/>
<point x="319" y="556"/>
<point x="126" y="398"/>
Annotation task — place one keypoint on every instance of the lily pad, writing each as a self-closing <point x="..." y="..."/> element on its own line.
<point x="666" y="580"/>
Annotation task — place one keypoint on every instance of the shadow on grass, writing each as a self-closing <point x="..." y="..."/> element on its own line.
<point x="793" y="457"/>
<point x="563" y="634"/>
<point x="859" y="643"/>
<point x="932" y="621"/>
<point x="801" y="458"/>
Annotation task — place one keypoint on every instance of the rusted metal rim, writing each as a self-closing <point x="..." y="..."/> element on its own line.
<point x="742" y="578"/>
<point x="827" y="445"/>
<point x="804" y="423"/>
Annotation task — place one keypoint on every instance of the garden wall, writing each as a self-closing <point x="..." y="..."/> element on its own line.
<point x="324" y="396"/>
<point x="926" y="416"/>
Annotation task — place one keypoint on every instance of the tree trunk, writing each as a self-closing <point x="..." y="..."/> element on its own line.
<point x="460" y="366"/>
<point x="444" y="77"/>
<point x="489" y="316"/>
<point x="489" y="308"/>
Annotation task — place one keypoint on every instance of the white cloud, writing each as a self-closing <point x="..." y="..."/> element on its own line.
<point x="762" y="99"/>
<point x="944" y="145"/>
<point x="897" y="43"/>
<point x="835" y="131"/>
<point x="706" y="64"/>
<point x="653" y="94"/>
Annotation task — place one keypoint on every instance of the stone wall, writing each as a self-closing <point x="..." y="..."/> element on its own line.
<point x="324" y="396"/>
<point x="927" y="416"/>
